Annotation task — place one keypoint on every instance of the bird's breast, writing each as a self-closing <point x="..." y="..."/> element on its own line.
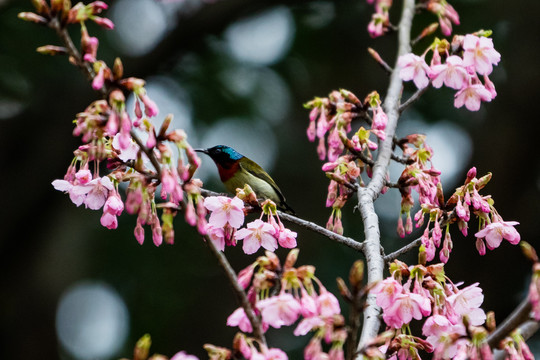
<point x="226" y="173"/>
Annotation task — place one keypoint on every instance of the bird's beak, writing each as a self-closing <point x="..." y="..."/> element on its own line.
<point x="202" y="150"/>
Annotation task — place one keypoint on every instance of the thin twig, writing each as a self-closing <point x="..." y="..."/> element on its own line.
<point x="353" y="244"/>
<point x="238" y="290"/>
<point x="412" y="99"/>
<point x="367" y="195"/>
<point x="147" y="151"/>
<point x="410" y="246"/>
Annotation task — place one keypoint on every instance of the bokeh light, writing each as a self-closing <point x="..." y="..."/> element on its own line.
<point x="92" y="320"/>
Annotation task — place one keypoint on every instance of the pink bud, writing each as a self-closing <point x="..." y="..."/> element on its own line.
<point x="109" y="221"/>
<point x="103" y="22"/>
<point x="139" y="233"/>
<point x="138" y="111"/>
<point x="99" y="79"/>
<point x="157" y="234"/>
<point x="400" y="228"/>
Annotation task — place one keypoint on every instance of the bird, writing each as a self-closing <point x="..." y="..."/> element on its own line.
<point x="236" y="170"/>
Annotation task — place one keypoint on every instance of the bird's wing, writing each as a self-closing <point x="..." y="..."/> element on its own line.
<point x="257" y="171"/>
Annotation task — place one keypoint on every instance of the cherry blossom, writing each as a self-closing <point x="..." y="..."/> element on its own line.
<point x="480" y="53"/>
<point x="240" y="319"/>
<point x="258" y="233"/>
<point x="471" y="96"/>
<point x="495" y="232"/>
<point x="414" y="67"/>
<point x="404" y="308"/>
<point x="452" y="73"/>
<point x="279" y="310"/>
<point x="225" y="210"/>
<point x="466" y="302"/>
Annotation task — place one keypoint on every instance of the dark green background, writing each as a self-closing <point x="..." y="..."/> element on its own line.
<point x="177" y="293"/>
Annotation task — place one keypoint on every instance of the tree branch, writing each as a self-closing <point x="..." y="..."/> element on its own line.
<point x="367" y="195"/>
<point x="519" y="316"/>
<point x="238" y="290"/>
<point x="353" y="244"/>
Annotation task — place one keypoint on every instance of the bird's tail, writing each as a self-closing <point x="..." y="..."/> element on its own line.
<point x="283" y="206"/>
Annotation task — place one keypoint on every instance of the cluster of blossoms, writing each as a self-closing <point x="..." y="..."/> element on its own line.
<point x="465" y="60"/>
<point x="453" y="317"/>
<point x="110" y="136"/>
<point x="380" y="20"/>
<point x="330" y="123"/>
<point x="281" y="296"/>
<point x="465" y="200"/>
<point x="67" y="14"/>
<point x="227" y="216"/>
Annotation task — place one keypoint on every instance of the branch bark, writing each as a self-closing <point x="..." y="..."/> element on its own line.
<point x="238" y="290"/>
<point x="367" y="195"/>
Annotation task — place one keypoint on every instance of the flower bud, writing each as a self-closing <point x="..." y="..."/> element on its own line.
<point x="528" y="251"/>
<point x="356" y="275"/>
<point x="292" y="256"/>
<point x="30" y="16"/>
<point x="343" y="289"/>
<point x="51" y="50"/>
<point x="142" y="348"/>
<point x="41" y="6"/>
<point x="57" y="5"/>
<point x="118" y="69"/>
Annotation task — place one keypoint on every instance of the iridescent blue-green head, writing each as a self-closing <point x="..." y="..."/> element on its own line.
<point x="222" y="155"/>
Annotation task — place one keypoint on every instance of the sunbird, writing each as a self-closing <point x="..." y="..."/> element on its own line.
<point x="236" y="170"/>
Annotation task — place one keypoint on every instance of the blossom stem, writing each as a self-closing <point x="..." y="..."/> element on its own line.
<point x="367" y="195"/>
<point x="238" y="290"/>
<point x="73" y="53"/>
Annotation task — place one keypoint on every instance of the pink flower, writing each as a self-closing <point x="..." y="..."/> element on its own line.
<point x="328" y="304"/>
<point x="109" y="221"/>
<point x="497" y="231"/>
<point x="471" y="96"/>
<point x="308" y="324"/>
<point x="67" y="187"/>
<point x="183" y="356"/>
<point x="387" y="291"/>
<point x="257" y="234"/>
<point x="216" y="235"/>
<point x="414" y="67"/>
<point x="114" y="204"/>
<point x="309" y="305"/>
<point x="276" y="354"/>
<point x="225" y="210"/>
<point x="128" y="152"/>
<point x="97" y="192"/>
<point x="84" y="176"/>
<point x="439" y="331"/>
<point x="240" y="319"/>
<point x="279" y="310"/>
<point x="480" y="53"/>
<point x="452" y="73"/>
<point x="287" y="238"/>
<point x="466" y="302"/>
<point x="406" y="307"/>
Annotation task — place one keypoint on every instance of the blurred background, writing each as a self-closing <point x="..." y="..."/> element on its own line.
<point x="234" y="72"/>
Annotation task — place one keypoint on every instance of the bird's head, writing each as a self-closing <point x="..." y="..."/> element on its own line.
<point x="222" y="155"/>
